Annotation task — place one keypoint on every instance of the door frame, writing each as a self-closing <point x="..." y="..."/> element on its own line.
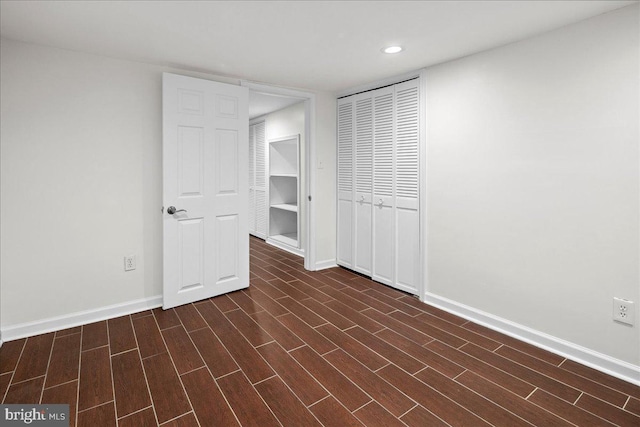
<point x="309" y="99"/>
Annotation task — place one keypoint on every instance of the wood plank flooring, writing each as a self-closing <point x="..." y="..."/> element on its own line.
<point x="299" y="349"/>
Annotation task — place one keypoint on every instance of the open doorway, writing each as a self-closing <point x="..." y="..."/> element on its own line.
<point x="280" y="181"/>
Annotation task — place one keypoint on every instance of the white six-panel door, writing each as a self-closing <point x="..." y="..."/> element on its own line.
<point x="205" y="178"/>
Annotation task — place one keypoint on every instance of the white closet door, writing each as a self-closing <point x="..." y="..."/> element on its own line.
<point x="257" y="181"/>
<point x="407" y="111"/>
<point x="345" y="182"/>
<point x="363" y="187"/>
<point x="383" y="186"/>
<point x="252" y="181"/>
<point x="260" y="181"/>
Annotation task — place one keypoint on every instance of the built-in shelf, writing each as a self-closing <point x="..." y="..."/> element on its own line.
<point x="284" y="190"/>
<point x="286" y="207"/>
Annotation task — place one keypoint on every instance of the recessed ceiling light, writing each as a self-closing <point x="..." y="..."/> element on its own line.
<point x="392" y="49"/>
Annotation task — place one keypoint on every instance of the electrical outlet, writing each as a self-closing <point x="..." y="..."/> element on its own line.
<point x="129" y="263"/>
<point x="623" y="311"/>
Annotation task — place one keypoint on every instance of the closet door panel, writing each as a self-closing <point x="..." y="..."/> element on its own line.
<point x="407" y="257"/>
<point x="407" y="250"/>
<point x="261" y="180"/>
<point x="252" y="180"/>
<point x="261" y="213"/>
<point x="363" y="237"/>
<point x="364" y="185"/>
<point x="345" y="184"/>
<point x="345" y="231"/>
<point x="383" y="245"/>
<point x="384" y="242"/>
<point x="252" y="211"/>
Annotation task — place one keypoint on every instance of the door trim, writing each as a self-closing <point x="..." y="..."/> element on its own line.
<point x="310" y="160"/>
<point x="423" y="287"/>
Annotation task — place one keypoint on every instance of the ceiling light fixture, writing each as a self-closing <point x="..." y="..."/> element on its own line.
<point x="392" y="49"/>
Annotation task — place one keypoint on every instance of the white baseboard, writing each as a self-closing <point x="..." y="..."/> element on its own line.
<point x="30" y="329"/>
<point x="328" y="263"/>
<point x="285" y="247"/>
<point x="607" y="364"/>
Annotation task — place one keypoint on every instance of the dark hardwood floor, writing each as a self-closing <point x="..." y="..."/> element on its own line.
<point x="299" y="349"/>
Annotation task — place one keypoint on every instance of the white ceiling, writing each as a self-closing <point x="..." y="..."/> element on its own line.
<point x="314" y="45"/>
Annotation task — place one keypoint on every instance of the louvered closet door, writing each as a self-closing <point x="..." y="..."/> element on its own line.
<point x="407" y="220"/>
<point x="364" y="185"/>
<point x="383" y="186"/>
<point x="252" y="181"/>
<point x="260" y="181"/>
<point x="345" y="183"/>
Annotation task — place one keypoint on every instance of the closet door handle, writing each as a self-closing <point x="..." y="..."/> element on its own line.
<point x="381" y="202"/>
<point x="362" y="198"/>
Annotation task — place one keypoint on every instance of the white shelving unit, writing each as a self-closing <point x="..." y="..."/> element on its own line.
<point x="284" y="193"/>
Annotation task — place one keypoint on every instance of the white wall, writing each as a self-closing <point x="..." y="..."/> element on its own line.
<point x="80" y="149"/>
<point x="80" y="184"/>
<point x="533" y="181"/>
<point x="324" y="200"/>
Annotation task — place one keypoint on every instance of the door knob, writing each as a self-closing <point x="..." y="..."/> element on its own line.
<point x="381" y="202"/>
<point x="172" y="209"/>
